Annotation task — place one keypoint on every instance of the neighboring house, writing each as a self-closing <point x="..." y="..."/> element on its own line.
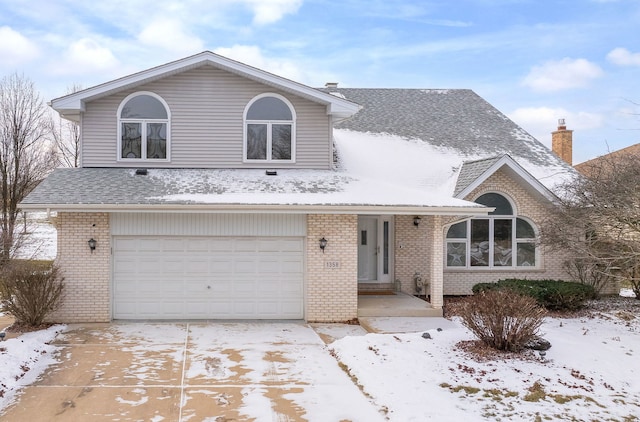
<point x="216" y="190"/>
<point x="607" y="161"/>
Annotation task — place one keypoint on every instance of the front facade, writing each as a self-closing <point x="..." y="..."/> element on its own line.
<point x="214" y="190"/>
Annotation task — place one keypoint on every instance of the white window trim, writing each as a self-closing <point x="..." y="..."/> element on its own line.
<point x="144" y="123"/>
<point x="514" y="241"/>
<point x="269" y="123"/>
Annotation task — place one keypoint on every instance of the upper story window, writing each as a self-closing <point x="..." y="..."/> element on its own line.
<point x="500" y="240"/>
<point x="269" y="129"/>
<point x="143" y="128"/>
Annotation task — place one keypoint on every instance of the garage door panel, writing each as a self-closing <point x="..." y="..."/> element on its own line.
<point x="220" y="244"/>
<point x="149" y="246"/>
<point x="271" y="245"/>
<point x="245" y="266"/>
<point x="173" y="244"/>
<point x="173" y="265"/>
<point x="208" y="278"/>
<point x="197" y="245"/>
<point x="245" y="245"/>
<point x="196" y="265"/>
<point x="293" y="245"/>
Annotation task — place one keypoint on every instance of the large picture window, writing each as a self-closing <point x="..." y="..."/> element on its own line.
<point x="143" y="128"/>
<point x="500" y="240"/>
<point x="269" y="129"/>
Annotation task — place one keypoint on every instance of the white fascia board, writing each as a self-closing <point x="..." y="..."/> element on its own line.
<point x="76" y="100"/>
<point x="506" y="160"/>
<point x="471" y="211"/>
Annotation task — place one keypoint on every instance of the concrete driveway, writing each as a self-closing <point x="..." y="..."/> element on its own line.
<point x="169" y="372"/>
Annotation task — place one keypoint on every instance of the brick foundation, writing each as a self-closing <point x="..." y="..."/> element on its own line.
<point x="332" y="293"/>
<point x="87" y="275"/>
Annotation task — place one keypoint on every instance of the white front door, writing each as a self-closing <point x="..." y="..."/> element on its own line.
<point x="375" y="243"/>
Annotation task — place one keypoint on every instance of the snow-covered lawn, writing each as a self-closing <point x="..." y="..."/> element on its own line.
<point x="592" y="371"/>
<point x="40" y="242"/>
<point x="24" y="359"/>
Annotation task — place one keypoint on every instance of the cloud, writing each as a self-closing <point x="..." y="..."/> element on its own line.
<point x="170" y="35"/>
<point x="252" y="55"/>
<point x="541" y="121"/>
<point x="270" y="11"/>
<point x="86" y="56"/>
<point x="563" y="74"/>
<point x="623" y="57"/>
<point x="15" y="48"/>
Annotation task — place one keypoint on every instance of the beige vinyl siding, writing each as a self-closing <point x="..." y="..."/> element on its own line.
<point x="206" y="107"/>
<point x="157" y="224"/>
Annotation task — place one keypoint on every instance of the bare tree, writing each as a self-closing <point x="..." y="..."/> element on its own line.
<point x="597" y="221"/>
<point x="66" y="136"/>
<point x="26" y="155"/>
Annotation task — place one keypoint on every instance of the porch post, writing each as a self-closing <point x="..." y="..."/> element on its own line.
<point x="436" y="266"/>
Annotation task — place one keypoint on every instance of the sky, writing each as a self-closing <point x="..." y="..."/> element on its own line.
<point x="537" y="61"/>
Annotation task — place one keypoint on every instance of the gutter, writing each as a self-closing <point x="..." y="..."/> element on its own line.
<point x="464" y="212"/>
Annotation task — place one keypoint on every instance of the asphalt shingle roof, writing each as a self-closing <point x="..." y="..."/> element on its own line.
<point x="452" y="118"/>
<point x="471" y="170"/>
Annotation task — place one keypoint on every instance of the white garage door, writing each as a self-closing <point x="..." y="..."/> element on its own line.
<point x="207" y="277"/>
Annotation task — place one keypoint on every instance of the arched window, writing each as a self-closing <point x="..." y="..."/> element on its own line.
<point x="269" y="129"/>
<point x="143" y="128"/>
<point x="499" y="240"/>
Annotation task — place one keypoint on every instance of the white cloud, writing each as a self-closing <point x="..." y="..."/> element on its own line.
<point x="86" y="56"/>
<point x="270" y="11"/>
<point x="252" y="55"/>
<point x="563" y="74"/>
<point x="541" y="121"/>
<point x="623" y="57"/>
<point x="170" y="35"/>
<point x="15" y="48"/>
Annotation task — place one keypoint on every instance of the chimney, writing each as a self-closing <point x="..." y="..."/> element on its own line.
<point x="562" y="142"/>
<point x="331" y="85"/>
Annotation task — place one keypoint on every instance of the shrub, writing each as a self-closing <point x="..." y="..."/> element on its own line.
<point x="502" y="319"/>
<point x="550" y="294"/>
<point x="30" y="291"/>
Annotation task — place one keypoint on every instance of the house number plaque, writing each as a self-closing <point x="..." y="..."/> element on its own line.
<point x="332" y="264"/>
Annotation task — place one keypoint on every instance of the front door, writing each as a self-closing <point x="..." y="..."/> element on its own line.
<point x="374" y="249"/>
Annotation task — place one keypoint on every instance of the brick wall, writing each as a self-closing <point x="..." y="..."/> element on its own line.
<point x="87" y="274"/>
<point x="459" y="282"/>
<point x="332" y="293"/>
<point x="411" y="251"/>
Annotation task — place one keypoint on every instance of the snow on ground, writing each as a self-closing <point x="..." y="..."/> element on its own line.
<point x="40" y="242"/>
<point x="590" y="373"/>
<point x="23" y="359"/>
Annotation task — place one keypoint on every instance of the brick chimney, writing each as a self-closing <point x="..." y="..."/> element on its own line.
<point x="562" y="142"/>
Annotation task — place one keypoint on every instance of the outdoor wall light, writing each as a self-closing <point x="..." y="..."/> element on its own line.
<point x="92" y="244"/>
<point x="323" y="244"/>
<point x="416" y="221"/>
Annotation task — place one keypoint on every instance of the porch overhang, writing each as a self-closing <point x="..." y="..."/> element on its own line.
<point x="462" y="212"/>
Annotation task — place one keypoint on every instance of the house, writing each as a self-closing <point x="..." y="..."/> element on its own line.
<point x="209" y="189"/>
<point x="607" y="161"/>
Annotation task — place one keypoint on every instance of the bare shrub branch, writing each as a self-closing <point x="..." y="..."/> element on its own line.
<point x="597" y="221"/>
<point x="502" y="319"/>
<point x="30" y="291"/>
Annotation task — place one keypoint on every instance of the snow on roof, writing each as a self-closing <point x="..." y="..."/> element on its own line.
<point x="122" y="188"/>
<point x="436" y="170"/>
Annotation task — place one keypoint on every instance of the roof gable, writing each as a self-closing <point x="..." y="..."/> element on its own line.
<point x="72" y="105"/>
<point x="474" y="173"/>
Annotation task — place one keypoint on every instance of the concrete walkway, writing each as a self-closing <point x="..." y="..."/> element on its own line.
<point x="193" y="372"/>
